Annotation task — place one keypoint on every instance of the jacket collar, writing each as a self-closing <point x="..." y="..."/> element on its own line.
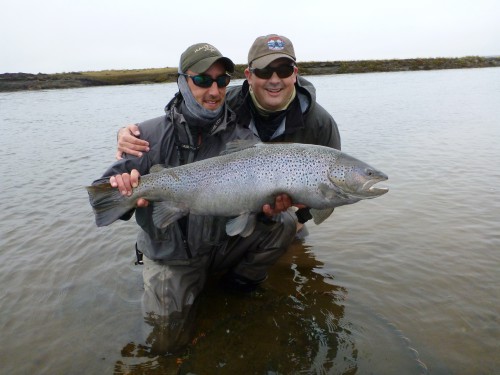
<point x="173" y="109"/>
<point x="297" y="110"/>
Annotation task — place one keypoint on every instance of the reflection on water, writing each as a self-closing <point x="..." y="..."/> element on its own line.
<point x="394" y="285"/>
<point x="299" y="320"/>
<point x="296" y="324"/>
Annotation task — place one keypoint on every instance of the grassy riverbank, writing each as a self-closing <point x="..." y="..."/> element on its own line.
<point x="25" y="81"/>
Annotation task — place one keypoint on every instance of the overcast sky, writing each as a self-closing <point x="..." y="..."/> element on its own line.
<point x="52" y="36"/>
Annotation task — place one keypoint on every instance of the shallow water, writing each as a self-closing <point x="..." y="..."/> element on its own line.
<point x="406" y="283"/>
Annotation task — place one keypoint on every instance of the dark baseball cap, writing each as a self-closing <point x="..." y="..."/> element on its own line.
<point x="200" y="57"/>
<point x="268" y="48"/>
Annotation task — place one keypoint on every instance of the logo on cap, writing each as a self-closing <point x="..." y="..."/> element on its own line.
<point x="275" y="44"/>
<point x="206" y="48"/>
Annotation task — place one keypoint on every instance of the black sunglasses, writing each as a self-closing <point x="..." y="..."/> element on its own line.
<point x="207" y="81"/>
<point x="283" y="71"/>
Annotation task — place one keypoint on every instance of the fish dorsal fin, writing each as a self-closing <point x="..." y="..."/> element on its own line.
<point x="320" y="215"/>
<point x="239" y="145"/>
<point x="243" y="225"/>
<point x="165" y="214"/>
<point x="157" y="168"/>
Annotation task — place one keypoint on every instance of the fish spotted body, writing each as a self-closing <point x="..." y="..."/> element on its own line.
<point x="238" y="184"/>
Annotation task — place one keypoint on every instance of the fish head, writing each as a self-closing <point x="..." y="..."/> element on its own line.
<point x="356" y="179"/>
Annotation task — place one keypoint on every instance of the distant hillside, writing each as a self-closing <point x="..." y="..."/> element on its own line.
<point x="25" y="81"/>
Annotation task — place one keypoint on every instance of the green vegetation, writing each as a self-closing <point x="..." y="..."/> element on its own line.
<point x="126" y="77"/>
<point x="367" y="66"/>
<point x="25" y="81"/>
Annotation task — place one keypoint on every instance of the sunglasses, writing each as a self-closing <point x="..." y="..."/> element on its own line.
<point x="207" y="81"/>
<point x="283" y="71"/>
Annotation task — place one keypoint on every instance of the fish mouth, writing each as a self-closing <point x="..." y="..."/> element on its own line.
<point x="373" y="191"/>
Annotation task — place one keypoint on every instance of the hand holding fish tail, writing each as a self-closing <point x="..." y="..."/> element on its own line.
<point x="125" y="182"/>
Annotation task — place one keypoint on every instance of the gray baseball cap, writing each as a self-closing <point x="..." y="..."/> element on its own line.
<point x="268" y="48"/>
<point x="200" y="57"/>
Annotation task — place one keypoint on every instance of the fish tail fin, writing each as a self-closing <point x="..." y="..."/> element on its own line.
<point x="108" y="203"/>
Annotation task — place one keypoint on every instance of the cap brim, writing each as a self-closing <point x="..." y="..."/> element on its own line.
<point x="203" y="65"/>
<point x="264" y="61"/>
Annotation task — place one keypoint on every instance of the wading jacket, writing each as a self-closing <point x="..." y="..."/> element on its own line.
<point x="173" y="142"/>
<point x="306" y="121"/>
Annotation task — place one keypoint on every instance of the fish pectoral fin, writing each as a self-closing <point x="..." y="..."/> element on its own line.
<point x="329" y="192"/>
<point x="242" y="225"/>
<point x="165" y="214"/>
<point x="320" y="215"/>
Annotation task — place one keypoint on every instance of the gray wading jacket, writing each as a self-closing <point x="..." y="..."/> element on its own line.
<point x="172" y="142"/>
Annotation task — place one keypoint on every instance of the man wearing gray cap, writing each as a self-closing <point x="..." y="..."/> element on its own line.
<point x="177" y="259"/>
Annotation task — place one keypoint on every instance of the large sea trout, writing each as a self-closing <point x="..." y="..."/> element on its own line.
<point x="238" y="184"/>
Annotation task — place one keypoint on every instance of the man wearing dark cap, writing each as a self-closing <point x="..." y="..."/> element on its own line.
<point x="177" y="259"/>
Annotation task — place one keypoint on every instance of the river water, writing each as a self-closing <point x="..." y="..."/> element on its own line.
<point x="408" y="283"/>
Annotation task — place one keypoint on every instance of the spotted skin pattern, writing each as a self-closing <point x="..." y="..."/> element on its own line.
<point x="242" y="182"/>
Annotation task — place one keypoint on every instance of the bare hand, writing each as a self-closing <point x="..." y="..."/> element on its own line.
<point x="125" y="182"/>
<point x="129" y="143"/>
<point x="282" y="203"/>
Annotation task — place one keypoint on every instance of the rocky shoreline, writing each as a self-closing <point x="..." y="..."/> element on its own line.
<point x="24" y="81"/>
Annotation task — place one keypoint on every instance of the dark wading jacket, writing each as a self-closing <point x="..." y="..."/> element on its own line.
<point x="305" y="123"/>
